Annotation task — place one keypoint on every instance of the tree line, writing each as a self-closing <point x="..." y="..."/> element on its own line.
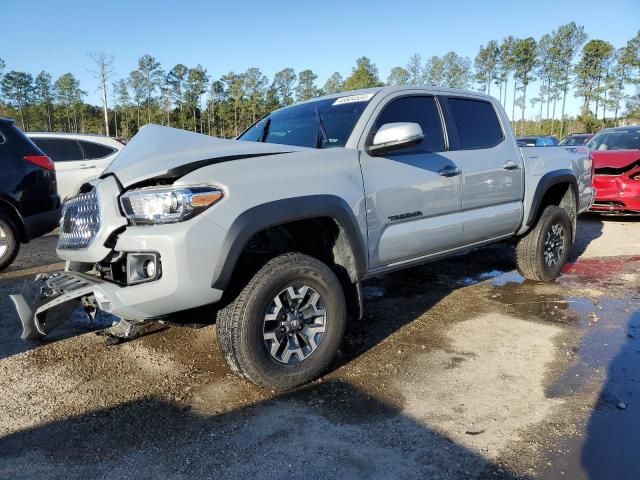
<point x="563" y="62"/>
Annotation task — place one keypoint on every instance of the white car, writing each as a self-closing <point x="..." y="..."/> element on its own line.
<point x="78" y="157"/>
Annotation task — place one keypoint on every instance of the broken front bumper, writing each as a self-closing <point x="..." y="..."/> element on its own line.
<point x="50" y="300"/>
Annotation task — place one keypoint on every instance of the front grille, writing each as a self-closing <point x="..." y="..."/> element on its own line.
<point x="80" y="221"/>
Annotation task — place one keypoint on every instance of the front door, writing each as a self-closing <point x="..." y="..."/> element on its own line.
<point x="413" y="195"/>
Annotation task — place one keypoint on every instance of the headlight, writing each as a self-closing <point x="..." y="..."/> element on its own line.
<point x="155" y="205"/>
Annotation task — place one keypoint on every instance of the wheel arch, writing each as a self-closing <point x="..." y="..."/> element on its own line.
<point x="12" y="212"/>
<point x="560" y="188"/>
<point x="349" y="250"/>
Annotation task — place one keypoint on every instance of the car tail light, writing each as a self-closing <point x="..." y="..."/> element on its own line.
<point x="593" y="170"/>
<point x="41" y="161"/>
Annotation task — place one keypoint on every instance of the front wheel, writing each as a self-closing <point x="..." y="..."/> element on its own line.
<point x="285" y="326"/>
<point x="543" y="251"/>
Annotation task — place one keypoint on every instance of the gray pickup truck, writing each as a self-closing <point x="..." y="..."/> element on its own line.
<point x="279" y="227"/>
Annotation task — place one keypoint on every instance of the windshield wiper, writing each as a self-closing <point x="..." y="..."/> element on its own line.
<point x="265" y="130"/>
<point x="323" y="137"/>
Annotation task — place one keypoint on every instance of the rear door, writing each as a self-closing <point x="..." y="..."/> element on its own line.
<point x="413" y="195"/>
<point x="492" y="169"/>
<point x="69" y="160"/>
<point x="97" y="156"/>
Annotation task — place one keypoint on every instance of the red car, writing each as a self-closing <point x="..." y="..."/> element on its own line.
<point x="616" y="163"/>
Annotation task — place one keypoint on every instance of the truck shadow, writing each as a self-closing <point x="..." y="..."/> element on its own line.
<point x="590" y="227"/>
<point x="617" y="414"/>
<point x="326" y="430"/>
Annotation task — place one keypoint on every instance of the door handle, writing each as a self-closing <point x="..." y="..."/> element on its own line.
<point x="85" y="166"/>
<point x="510" y="165"/>
<point x="449" y="171"/>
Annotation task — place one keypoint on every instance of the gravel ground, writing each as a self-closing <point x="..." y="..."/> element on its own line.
<point x="460" y="369"/>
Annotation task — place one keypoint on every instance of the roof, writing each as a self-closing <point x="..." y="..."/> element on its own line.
<point x="66" y="134"/>
<point x="7" y="120"/>
<point x="628" y="128"/>
<point x="101" y="139"/>
<point x="400" y="88"/>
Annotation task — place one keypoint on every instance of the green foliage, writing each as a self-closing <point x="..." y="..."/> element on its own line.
<point x="433" y="74"/>
<point x="187" y="97"/>
<point x="363" y="75"/>
<point x="334" y="84"/>
<point x="486" y="64"/>
<point x="17" y="89"/>
<point x="399" y="76"/>
<point x="414" y="71"/>
<point x="283" y="83"/>
<point x="306" y="88"/>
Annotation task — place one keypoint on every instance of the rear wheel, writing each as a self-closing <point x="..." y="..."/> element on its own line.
<point x="9" y="244"/>
<point x="285" y="326"/>
<point x="543" y="251"/>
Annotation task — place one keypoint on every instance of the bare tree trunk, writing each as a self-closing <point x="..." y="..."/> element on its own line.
<point x="604" y="109"/>
<point x="49" y="117"/>
<point x="553" y="117"/>
<point x="549" y="97"/>
<point x="524" y="106"/>
<point x="506" y="87"/>
<point x="103" y="73"/>
<point x="513" y="106"/>
<point x="115" y="121"/>
<point x="540" y="119"/>
<point x="564" y="99"/>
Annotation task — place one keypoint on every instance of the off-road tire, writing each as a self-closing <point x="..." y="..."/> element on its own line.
<point x="530" y="248"/>
<point x="10" y="240"/>
<point x="239" y="325"/>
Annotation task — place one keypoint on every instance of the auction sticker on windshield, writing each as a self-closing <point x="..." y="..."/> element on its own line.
<point x="364" y="97"/>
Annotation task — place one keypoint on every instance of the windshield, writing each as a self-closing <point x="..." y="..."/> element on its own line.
<point x="616" y="140"/>
<point x="302" y="125"/>
<point x="574" y="140"/>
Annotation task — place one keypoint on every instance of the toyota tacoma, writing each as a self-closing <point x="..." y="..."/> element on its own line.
<point x="279" y="227"/>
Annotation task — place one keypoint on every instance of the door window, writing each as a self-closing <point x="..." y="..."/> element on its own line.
<point x="94" y="151"/>
<point x="476" y="123"/>
<point x="60" y="149"/>
<point x="421" y="110"/>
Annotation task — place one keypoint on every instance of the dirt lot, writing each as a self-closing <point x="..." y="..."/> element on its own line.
<point x="459" y="370"/>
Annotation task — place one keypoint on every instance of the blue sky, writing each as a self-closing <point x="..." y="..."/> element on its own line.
<point x="325" y="36"/>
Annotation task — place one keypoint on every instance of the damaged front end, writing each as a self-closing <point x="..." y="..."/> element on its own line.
<point x="50" y="300"/>
<point x="616" y="181"/>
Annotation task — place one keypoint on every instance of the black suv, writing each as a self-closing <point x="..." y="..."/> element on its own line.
<point x="29" y="202"/>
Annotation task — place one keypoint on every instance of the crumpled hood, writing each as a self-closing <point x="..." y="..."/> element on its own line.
<point x="157" y="151"/>
<point x="614" y="158"/>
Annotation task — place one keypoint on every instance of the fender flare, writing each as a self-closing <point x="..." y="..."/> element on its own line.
<point x="279" y="212"/>
<point x="547" y="181"/>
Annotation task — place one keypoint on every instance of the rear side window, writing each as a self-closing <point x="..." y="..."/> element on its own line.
<point x="93" y="151"/>
<point x="60" y="149"/>
<point x="421" y="110"/>
<point x="476" y="123"/>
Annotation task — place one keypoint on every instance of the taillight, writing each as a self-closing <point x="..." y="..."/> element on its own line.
<point x="593" y="170"/>
<point x="41" y="160"/>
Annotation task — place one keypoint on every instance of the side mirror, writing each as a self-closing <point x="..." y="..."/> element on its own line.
<point x="394" y="136"/>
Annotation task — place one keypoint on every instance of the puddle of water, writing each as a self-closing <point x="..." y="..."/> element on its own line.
<point x="545" y="304"/>
<point x="510" y="277"/>
<point x="472" y="280"/>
